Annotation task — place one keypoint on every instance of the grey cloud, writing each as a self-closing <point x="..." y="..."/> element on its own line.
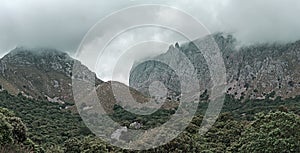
<point x="62" y="24"/>
<point x="251" y="21"/>
<point x="50" y="23"/>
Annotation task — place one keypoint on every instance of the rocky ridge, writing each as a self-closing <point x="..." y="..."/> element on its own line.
<point x="255" y="71"/>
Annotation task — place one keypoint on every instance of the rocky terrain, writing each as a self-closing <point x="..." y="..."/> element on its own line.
<point x="46" y="74"/>
<point x="38" y="73"/>
<point x="254" y="71"/>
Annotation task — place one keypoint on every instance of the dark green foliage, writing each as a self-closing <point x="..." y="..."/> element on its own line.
<point x="246" y="110"/>
<point x="223" y="133"/>
<point x="59" y="130"/>
<point x="19" y="129"/>
<point x="13" y="130"/>
<point x="87" y="145"/>
<point x="272" y="132"/>
<point x="14" y="149"/>
<point x="73" y="145"/>
<point x="13" y="134"/>
<point x="47" y="124"/>
<point x="6" y="136"/>
<point x="149" y="121"/>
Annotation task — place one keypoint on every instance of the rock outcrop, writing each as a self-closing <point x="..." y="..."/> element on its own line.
<point x="254" y="71"/>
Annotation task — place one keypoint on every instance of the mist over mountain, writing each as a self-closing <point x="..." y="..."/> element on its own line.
<point x="149" y="76"/>
<point x="36" y="84"/>
<point x="46" y="74"/>
<point x="62" y="25"/>
<point x="40" y="73"/>
<point x="253" y="71"/>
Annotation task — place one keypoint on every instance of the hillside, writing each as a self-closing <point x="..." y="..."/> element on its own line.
<point x="38" y="73"/>
<point x="252" y="71"/>
<point x="59" y="130"/>
<point x="36" y="86"/>
<point x="45" y="74"/>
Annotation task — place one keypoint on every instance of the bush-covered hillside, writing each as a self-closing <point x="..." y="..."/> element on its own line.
<point x="244" y="126"/>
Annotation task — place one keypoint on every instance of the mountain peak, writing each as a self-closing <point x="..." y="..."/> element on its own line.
<point x="45" y="59"/>
<point x="40" y="52"/>
<point x="37" y="72"/>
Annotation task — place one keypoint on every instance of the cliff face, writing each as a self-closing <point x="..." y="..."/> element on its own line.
<point x="253" y="71"/>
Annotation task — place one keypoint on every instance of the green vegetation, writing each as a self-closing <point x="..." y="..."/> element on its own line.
<point x="272" y="132"/>
<point x="244" y="126"/>
<point x="48" y="123"/>
<point x="13" y="134"/>
<point x="124" y="117"/>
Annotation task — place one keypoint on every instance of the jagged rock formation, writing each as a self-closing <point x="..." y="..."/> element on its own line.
<point x="254" y="71"/>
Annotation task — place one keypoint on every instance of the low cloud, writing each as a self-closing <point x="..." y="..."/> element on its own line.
<point x="62" y="24"/>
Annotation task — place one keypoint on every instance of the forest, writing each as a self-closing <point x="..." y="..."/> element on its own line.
<point x="269" y="125"/>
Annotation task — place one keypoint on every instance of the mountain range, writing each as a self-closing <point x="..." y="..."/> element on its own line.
<point x="46" y="74"/>
<point x="37" y="84"/>
<point x="252" y="71"/>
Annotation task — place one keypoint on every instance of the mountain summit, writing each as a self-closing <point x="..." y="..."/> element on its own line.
<point x="46" y="74"/>
<point x="38" y="73"/>
<point x="255" y="71"/>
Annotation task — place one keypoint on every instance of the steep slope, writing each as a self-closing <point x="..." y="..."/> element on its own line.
<point x="38" y="73"/>
<point x="46" y="74"/>
<point x="254" y="71"/>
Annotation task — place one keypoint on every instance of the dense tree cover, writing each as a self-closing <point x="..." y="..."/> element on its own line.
<point x="87" y="144"/>
<point x="246" y="109"/>
<point x="48" y="123"/>
<point x="124" y="117"/>
<point x="13" y="134"/>
<point x="244" y="126"/>
<point x="272" y="132"/>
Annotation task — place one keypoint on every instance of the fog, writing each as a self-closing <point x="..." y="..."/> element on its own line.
<point x="63" y="24"/>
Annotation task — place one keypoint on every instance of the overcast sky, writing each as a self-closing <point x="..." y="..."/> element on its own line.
<point x="62" y="24"/>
